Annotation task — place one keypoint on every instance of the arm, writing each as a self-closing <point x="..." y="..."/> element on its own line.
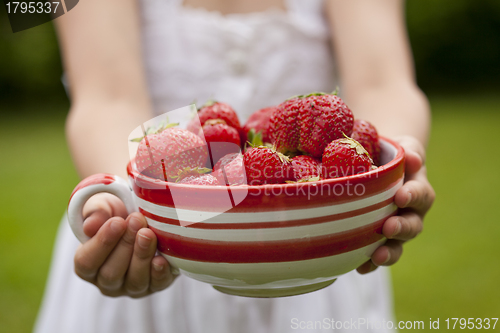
<point x="378" y="79"/>
<point x="101" y="51"/>
<point x="376" y="66"/>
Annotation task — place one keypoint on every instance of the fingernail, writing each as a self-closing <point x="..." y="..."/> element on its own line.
<point x="117" y="226"/>
<point x="157" y="267"/>
<point x="397" y="230"/>
<point x="409" y="199"/>
<point x="144" y="241"/>
<point x="388" y="258"/>
<point x="135" y="224"/>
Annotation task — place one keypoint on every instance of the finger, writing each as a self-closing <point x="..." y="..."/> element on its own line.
<point x="91" y="255"/>
<point x="94" y="222"/>
<point x="367" y="267"/>
<point x="107" y="202"/>
<point x="138" y="275"/>
<point x="413" y="163"/>
<point x="117" y="205"/>
<point x="416" y="194"/>
<point x="388" y="254"/>
<point x="410" y="144"/>
<point x="111" y="274"/>
<point x="161" y="277"/>
<point x="98" y="209"/>
<point x="403" y="227"/>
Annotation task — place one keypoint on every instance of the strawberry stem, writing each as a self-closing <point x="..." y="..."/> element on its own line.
<point x="210" y="102"/>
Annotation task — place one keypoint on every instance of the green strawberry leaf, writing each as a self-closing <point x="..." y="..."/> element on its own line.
<point x="304" y="180"/>
<point x="307" y="95"/>
<point x="255" y="138"/>
<point x="187" y="171"/>
<point x="353" y="144"/>
<point x="283" y="158"/>
<point x="268" y="145"/>
<point x="155" y="130"/>
<point x="210" y="102"/>
<point x="310" y="179"/>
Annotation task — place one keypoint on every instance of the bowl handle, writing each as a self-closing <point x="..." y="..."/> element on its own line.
<point x="94" y="184"/>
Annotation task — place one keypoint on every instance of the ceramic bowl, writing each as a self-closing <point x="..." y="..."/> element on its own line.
<point x="261" y="241"/>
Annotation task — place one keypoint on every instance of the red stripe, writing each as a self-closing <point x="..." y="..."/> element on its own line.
<point x="268" y="251"/>
<point x="97" y="179"/>
<point x="275" y="224"/>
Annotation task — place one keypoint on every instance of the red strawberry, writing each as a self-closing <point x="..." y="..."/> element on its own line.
<point x="305" y="167"/>
<point x="216" y="130"/>
<point x="264" y="165"/>
<point x="221" y="138"/>
<point x="165" y="153"/>
<point x="284" y="129"/>
<point x="259" y="122"/>
<point x="345" y="157"/>
<point x="309" y="123"/>
<point x="366" y="134"/>
<point x="206" y="179"/>
<point x="215" y="110"/>
<point x="232" y="166"/>
<point x="226" y="160"/>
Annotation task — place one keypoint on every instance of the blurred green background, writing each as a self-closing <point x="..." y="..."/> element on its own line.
<point x="451" y="270"/>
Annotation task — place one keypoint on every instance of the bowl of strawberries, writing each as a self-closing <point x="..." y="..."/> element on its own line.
<point x="280" y="206"/>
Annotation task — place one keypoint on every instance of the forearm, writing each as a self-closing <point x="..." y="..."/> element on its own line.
<point x="97" y="133"/>
<point x="101" y="49"/>
<point x="376" y="66"/>
<point x="394" y="110"/>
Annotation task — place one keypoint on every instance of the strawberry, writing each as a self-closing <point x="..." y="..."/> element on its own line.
<point x="215" y="110"/>
<point x="284" y="129"/>
<point x="216" y="130"/>
<point x="221" y="138"/>
<point x="206" y="179"/>
<point x="232" y="166"/>
<point x="366" y="134"/>
<point x="161" y="155"/>
<point x="305" y="167"/>
<point x="345" y="157"/>
<point x="264" y="165"/>
<point x="225" y="160"/>
<point x="259" y="122"/>
<point x="309" y="123"/>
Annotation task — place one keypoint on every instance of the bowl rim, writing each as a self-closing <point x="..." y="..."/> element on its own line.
<point x="156" y="183"/>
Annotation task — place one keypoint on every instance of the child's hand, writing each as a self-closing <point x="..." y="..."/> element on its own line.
<point x="414" y="199"/>
<point x="120" y="257"/>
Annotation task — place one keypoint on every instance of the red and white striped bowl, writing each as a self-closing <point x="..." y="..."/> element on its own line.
<point x="261" y="241"/>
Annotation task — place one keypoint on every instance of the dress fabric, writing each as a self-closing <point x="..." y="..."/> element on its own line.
<point x="249" y="61"/>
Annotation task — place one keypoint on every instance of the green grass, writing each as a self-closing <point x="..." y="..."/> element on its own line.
<point x="450" y="270"/>
<point x="36" y="177"/>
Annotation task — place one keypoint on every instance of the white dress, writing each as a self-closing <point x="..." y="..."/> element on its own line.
<point x="249" y="61"/>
